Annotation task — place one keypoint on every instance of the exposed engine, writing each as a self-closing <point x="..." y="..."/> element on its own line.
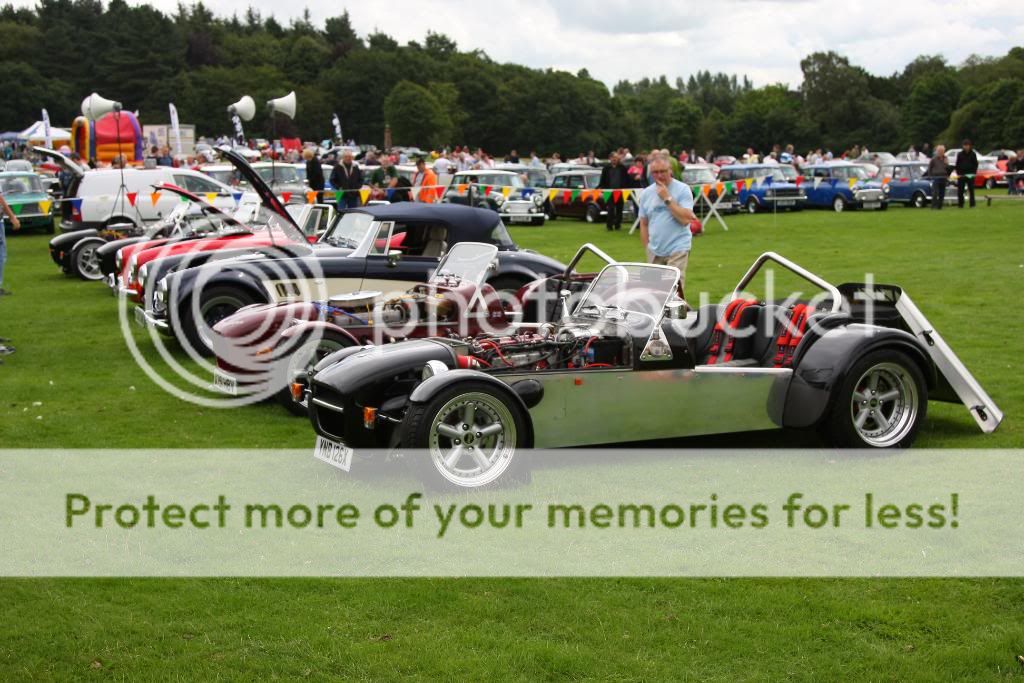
<point x="573" y="347"/>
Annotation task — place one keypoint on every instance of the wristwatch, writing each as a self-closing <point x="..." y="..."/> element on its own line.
<point x="668" y="202"/>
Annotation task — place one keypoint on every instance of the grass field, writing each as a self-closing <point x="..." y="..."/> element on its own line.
<point x="72" y="385"/>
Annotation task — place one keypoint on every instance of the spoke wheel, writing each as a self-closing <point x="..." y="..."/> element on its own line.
<point x="883" y="407"/>
<point x="466" y="437"/>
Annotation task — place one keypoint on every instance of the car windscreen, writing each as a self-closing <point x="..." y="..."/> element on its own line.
<point x="498" y="179"/>
<point x="698" y="176"/>
<point x="279" y="173"/>
<point x="348" y="230"/>
<point x="468" y="261"/>
<point x="227" y="177"/>
<point x="624" y="289"/>
<point x="500" y="236"/>
<point x="22" y="184"/>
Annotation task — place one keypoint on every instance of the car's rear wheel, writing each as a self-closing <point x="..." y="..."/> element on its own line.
<point x="466" y="437"/>
<point x="85" y="262"/>
<point x="838" y="204"/>
<point x="752" y="205"/>
<point x="881" y="403"/>
<point x="990" y="183"/>
<point x="306" y="352"/>
<point x="919" y="200"/>
<point x="593" y="214"/>
<point x="549" y="211"/>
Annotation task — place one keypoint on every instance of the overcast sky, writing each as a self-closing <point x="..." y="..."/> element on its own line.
<point x="630" y="39"/>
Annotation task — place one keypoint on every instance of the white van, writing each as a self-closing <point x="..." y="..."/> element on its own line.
<point x="105" y="202"/>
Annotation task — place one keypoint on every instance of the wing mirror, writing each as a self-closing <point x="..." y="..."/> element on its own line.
<point x="394" y="257"/>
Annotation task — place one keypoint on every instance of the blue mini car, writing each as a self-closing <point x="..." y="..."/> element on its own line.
<point x="840" y="185"/>
<point x="908" y="184"/>
<point x="773" y="186"/>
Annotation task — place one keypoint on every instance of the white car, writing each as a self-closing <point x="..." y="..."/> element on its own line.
<point x="101" y="198"/>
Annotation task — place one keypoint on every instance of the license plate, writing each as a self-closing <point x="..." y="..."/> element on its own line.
<point x="225" y="382"/>
<point x="786" y="202"/>
<point x="140" y="316"/>
<point x="521" y="219"/>
<point x="333" y="453"/>
<point x="872" y="205"/>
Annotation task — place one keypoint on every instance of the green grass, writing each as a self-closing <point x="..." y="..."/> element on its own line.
<point x="963" y="269"/>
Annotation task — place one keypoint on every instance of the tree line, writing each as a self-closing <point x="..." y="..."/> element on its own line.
<point x="433" y="94"/>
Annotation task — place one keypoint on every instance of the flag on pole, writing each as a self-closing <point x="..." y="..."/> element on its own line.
<point x="46" y="129"/>
<point x="175" y="128"/>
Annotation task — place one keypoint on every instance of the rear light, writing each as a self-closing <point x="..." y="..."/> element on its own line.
<point x="297" y="389"/>
<point x="369" y="417"/>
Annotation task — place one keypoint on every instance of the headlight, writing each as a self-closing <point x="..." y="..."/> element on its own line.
<point x="119" y="260"/>
<point x="433" y="367"/>
<point x="499" y="199"/>
<point x="538" y="199"/>
<point x="885" y="189"/>
<point x="160" y="297"/>
<point x="132" y="267"/>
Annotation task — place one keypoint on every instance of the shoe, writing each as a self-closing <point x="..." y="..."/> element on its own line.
<point x="5" y="292"/>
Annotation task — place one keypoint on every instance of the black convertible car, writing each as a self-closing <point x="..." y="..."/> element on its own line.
<point x="385" y="248"/>
<point x="625" y="364"/>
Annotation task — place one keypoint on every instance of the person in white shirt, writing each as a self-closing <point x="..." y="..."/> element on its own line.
<point x="443" y="165"/>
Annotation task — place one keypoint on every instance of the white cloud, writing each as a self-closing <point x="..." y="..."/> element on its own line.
<point x="624" y="39"/>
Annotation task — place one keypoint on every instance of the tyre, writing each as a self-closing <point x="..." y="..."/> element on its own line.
<point x="990" y="183"/>
<point x="549" y="211"/>
<point x="919" y="200"/>
<point x="881" y="403"/>
<point x="466" y="437"/>
<point x="306" y="353"/>
<point x="85" y="262"/>
<point x="838" y="204"/>
<point x="537" y="221"/>
<point x="752" y="205"/>
<point x="51" y="227"/>
<point x="593" y="214"/>
<point x="215" y="304"/>
<point x="884" y="206"/>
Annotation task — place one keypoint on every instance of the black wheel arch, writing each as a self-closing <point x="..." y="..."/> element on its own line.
<point x="429" y="388"/>
<point x="822" y="367"/>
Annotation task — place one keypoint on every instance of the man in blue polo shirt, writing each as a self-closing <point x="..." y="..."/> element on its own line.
<point x="666" y="209"/>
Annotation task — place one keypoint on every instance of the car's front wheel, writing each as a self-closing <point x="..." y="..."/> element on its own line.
<point x="215" y="304"/>
<point x="466" y="437"/>
<point x="919" y="200"/>
<point x="752" y="205"/>
<point x="838" y="204"/>
<point x="593" y="214"/>
<point x="549" y="211"/>
<point x="881" y="403"/>
<point x="85" y="262"/>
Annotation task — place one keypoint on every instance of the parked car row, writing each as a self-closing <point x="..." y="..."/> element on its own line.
<point x="422" y="329"/>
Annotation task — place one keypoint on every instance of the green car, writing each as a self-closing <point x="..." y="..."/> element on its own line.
<point x="30" y="202"/>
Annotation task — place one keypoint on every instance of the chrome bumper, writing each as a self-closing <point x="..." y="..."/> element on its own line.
<point x="148" y="319"/>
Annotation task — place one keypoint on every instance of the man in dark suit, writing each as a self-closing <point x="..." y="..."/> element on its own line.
<point x="615" y="176"/>
<point x="966" y="165"/>
<point x="347" y="177"/>
<point x="314" y="172"/>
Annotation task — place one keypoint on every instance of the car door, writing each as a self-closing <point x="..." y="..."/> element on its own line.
<point x="819" y="192"/>
<point x="900" y="185"/>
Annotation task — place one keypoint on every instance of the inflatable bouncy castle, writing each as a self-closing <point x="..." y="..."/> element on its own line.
<point x="99" y="139"/>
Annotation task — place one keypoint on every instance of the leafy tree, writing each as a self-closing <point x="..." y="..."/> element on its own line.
<point x="983" y="114"/>
<point x="765" y="117"/>
<point x="926" y="112"/>
<point x="682" y="125"/>
<point x="415" y="116"/>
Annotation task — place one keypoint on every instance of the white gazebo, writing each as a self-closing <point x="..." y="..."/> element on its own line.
<point x="36" y="134"/>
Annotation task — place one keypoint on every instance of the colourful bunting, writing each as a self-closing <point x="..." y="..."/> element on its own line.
<point x="461" y="187"/>
<point x="183" y="199"/>
<point x="566" y="197"/>
<point x="154" y="197"/>
<point x="798" y="181"/>
<point x="337" y="195"/>
<point x="720" y="188"/>
<point x="705" y="190"/>
<point x="575" y="195"/>
<point x="816" y="182"/>
<point x="487" y="190"/>
<point x="852" y="182"/>
<point x="626" y="194"/>
<point x="552" y="194"/>
<point x="16" y="208"/>
<point x="528" y="191"/>
<point x="286" y="196"/>
<point x="311" y="197"/>
<point x="606" y="195"/>
<point x="45" y="205"/>
<point x="76" y="204"/>
<point x="506" y="191"/>
<point x="131" y="197"/>
<point x="211" y="197"/>
<point x="363" y="196"/>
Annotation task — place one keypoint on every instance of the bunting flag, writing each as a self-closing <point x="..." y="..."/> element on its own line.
<point x="237" y="196"/>
<point x="76" y="204"/>
<point x="575" y="195"/>
<point x="552" y="194"/>
<point x="155" y="197"/>
<point x="853" y="181"/>
<point x="286" y="196"/>
<point x="617" y="196"/>
<point x="487" y="190"/>
<point x="506" y="191"/>
<point x="16" y="208"/>
<point x="45" y="205"/>
<point x="566" y="197"/>
<point x="626" y="194"/>
<point x="311" y="197"/>
<point x="798" y="181"/>
<point x="363" y="196"/>
<point x="766" y="180"/>
<point x="729" y="187"/>
<point x="337" y="195"/>
<point x="816" y="182"/>
<point x="461" y="187"/>
<point x="705" y="190"/>
<point x="183" y="199"/>
<point x="606" y="195"/>
<point x="750" y="183"/>
<point x="720" y="188"/>
<point x="834" y="182"/>
<point x="389" y="193"/>
<point x="131" y="197"/>
<point x="211" y="197"/>
<point x="528" y="191"/>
